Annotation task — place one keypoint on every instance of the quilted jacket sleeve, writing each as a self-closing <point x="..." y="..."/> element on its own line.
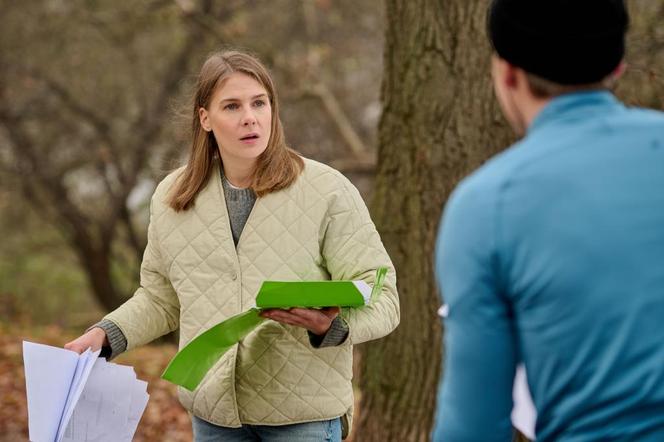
<point x="353" y="250"/>
<point x="154" y="310"/>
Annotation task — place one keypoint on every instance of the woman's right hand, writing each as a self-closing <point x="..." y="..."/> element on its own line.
<point x="95" y="338"/>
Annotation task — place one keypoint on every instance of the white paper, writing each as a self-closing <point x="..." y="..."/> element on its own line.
<point x="102" y="411"/>
<point x="84" y="366"/>
<point x="524" y="414"/>
<point x="48" y="375"/>
<point x="139" y="400"/>
<point x="364" y="289"/>
<point x="80" y="398"/>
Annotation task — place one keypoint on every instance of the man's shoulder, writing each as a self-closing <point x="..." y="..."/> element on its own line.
<point x="645" y="113"/>
<point x="644" y="117"/>
<point x="492" y="175"/>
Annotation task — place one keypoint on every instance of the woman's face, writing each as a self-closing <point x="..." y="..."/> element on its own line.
<point x="240" y="117"/>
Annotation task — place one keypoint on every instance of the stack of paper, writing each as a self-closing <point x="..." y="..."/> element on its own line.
<point x="74" y="397"/>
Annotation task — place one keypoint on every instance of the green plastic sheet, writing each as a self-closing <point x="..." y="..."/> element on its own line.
<point x="191" y="364"/>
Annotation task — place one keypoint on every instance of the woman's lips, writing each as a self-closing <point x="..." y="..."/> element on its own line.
<point x="250" y="138"/>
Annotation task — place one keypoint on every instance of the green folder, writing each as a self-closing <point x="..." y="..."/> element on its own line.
<point x="312" y="294"/>
<point x="190" y="365"/>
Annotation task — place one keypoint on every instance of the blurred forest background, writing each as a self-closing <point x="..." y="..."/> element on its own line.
<point x="94" y="112"/>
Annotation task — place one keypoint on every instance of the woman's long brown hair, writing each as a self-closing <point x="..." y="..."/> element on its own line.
<point x="276" y="168"/>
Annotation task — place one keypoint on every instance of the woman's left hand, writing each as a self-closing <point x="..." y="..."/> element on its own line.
<point x="317" y="321"/>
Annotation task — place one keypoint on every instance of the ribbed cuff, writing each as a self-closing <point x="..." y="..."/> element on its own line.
<point x="116" y="339"/>
<point x="336" y="335"/>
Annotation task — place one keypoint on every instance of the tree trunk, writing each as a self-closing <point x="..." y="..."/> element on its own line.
<point x="440" y="121"/>
<point x="97" y="266"/>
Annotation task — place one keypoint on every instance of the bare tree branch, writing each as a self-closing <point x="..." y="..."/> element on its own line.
<point x="84" y="112"/>
<point x="87" y="114"/>
<point x="203" y="20"/>
<point x="354" y="165"/>
<point x="25" y="151"/>
<point x="137" y="246"/>
<point x="340" y="119"/>
<point x="320" y="90"/>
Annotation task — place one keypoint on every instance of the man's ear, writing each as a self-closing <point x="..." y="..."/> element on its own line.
<point x="205" y="119"/>
<point x="619" y="70"/>
<point x="504" y="72"/>
<point x="513" y="75"/>
<point x="611" y="80"/>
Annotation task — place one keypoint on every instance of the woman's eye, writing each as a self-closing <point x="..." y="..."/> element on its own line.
<point x="259" y="103"/>
<point x="231" y="106"/>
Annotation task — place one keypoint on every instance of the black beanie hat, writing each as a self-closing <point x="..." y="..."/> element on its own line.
<point x="570" y="42"/>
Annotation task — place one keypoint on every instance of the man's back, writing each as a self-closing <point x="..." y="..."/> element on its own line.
<point x="572" y="219"/>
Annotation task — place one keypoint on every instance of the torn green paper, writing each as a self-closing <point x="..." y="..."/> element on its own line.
<point x="378" y="284"/>
<point x="191" y="364"/>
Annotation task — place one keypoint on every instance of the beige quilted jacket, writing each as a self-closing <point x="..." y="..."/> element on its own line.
<point x="193" y="277"/>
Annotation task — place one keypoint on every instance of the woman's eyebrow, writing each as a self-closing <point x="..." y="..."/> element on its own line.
<point x="263" y="95"/>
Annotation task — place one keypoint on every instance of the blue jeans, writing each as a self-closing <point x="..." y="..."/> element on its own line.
<point x="321" y="431"/>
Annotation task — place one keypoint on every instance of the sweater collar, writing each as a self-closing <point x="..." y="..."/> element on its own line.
<point x="578" y="104"/>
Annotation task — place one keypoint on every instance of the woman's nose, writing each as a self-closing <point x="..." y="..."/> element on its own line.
<point x="248" y="119"/>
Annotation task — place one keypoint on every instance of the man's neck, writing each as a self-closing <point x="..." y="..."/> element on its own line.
<point x="531" y="108"/>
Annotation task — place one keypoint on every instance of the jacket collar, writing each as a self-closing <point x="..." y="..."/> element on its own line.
<point x="574" y="105"/>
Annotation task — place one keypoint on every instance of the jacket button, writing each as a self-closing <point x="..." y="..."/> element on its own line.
<point x="234" y="276"/>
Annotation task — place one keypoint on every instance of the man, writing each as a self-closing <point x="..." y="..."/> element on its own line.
<point x="552" y="254"/>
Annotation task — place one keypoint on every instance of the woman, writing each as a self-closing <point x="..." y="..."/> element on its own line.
<point x="245" y="209"/>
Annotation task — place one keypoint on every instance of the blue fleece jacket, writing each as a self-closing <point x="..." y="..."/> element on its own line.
<point x="553" y="254"/>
